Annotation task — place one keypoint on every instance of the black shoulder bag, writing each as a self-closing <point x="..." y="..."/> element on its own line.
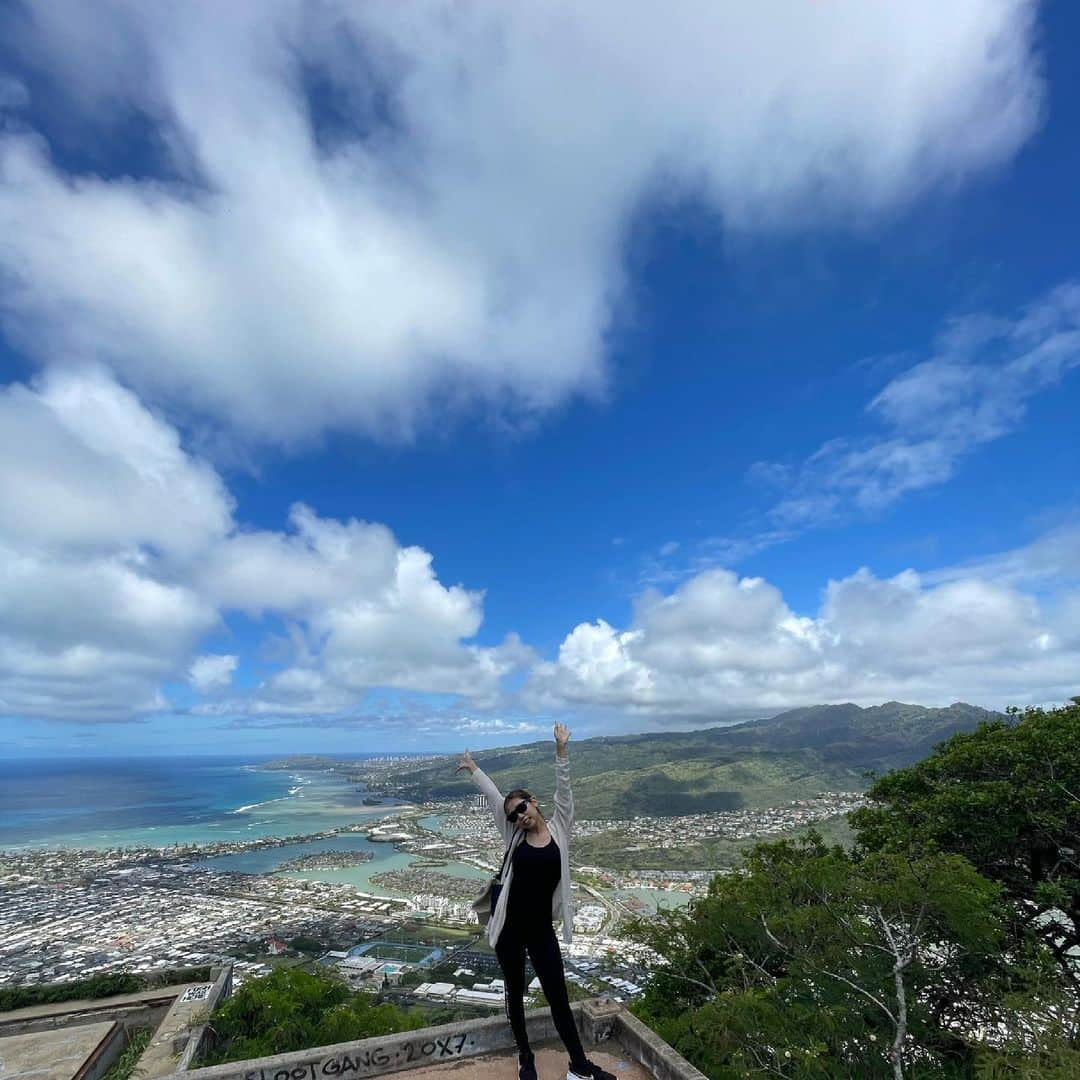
<point x="484" y="905"/>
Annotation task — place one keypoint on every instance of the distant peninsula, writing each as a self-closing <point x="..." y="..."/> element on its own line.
<point x="306" y="762"/>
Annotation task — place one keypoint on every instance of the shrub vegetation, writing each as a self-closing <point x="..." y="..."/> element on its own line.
<point x="937" y="947"/>
<point x="292" y="1009"/>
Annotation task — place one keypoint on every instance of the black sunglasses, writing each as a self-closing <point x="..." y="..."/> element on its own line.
<point x="518" y="810"/>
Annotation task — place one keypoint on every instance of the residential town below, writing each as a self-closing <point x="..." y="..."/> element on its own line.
<point x="70" y="913"/>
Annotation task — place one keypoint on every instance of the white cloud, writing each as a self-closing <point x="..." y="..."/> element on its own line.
<point x="368" y="613"/>
<point x="1052" y="559"/>
<point x="99" y="507"/>
<point x="724" y="647"/>
<point x="102" y="603"/>
<point x="212" y="672"/>
<point x="303" y="571"/>
<point x="91" y="638"/>
<point x="494" y="725"/>
<point x="457" y="236"/>
<point x="119" y="553"/>
<point x="85" y="466"/>
<point x="974" y="390"/>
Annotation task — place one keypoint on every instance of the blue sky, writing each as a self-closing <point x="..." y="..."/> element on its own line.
<point x="350" y="403"/>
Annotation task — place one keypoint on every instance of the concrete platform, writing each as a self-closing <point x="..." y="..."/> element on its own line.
<point x="144" y="1009"/>
<point x="473" y="1050"/>
<point x="71" y="1053"/>
<point x="551" y="1062"/>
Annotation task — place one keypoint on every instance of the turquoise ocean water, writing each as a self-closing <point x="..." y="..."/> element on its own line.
<point x="139" y="802"/>
<point x="120" y="802"/>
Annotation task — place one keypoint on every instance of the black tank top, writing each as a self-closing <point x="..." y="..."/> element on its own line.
<point x="537" y="871"/>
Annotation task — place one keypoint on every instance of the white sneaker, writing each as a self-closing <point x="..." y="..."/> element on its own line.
<point x="592" y="1072"/>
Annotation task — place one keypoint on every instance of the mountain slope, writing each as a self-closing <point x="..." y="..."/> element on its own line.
<point x="882" y="736"/>
<point x="755" y="764"/>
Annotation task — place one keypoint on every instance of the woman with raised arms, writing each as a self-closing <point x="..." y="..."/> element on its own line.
<point x="535" y="893"/>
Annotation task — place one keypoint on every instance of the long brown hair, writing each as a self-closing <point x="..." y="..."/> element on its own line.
<point x="518" y="794"/>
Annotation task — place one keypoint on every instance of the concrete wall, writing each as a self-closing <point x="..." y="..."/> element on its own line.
<point x="383" y="1055"/>
<point x="184" y="1027"/>
<point x="101" y="1060"/>
<point x="142" y="1014"/>
<point x="201" y="1036"/>
<point x="147" y="1012"/>
<point x="603" y="1020"/>
<point x="598" y="1022"/>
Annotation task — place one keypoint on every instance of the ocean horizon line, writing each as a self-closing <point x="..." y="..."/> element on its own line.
<point x="254" y="759"/>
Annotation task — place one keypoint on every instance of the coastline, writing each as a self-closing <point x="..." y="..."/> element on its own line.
<point x="158" y="805"/>
<point x="301" y="812"/>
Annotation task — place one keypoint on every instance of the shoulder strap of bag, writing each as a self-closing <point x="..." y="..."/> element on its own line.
<point x="506" y="855"/>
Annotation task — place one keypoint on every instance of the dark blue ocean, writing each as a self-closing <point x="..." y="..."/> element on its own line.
<point x="127" y="801"/>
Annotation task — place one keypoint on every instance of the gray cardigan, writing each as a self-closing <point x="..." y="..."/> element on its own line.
<point x="560" y="825"/>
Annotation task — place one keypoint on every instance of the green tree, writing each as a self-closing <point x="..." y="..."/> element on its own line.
<point x="812" y="963"/>
<point x="306" y="944"/>
<point x="1007" y="797"/>
<point x="292" y="1009"/>
<point x="1054" y="1059"/>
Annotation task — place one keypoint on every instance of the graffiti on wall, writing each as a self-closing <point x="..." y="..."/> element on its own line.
<point x="361" y="1062"/>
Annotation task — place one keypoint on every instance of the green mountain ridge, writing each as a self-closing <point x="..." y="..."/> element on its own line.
<point x="755" y="764"/>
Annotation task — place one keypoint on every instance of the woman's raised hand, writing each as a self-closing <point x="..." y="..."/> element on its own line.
<point x="466" y="762"/>
<point x="562" y="737"/>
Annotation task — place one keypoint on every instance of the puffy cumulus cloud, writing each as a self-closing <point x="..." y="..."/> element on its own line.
<point x="365" y="611"/>
<point x="342" y="655"/>
<point x="723" y="647"/>
<point x="99" y="507"/>
<point x="84" y="465"/>
<point x="212" y="672"/>
<point x="427" y="202"/>
<point x="717" y="643"/>
<point x="596" y="665"/>
<point x="897" y="629"/>
<point x="91" y="639"/>
<point x="318" y="563"/>
<point x="119" y="553"/>
<point x="64" y="602"/>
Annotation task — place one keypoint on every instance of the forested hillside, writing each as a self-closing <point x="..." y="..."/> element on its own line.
<point x="752" y="765"/>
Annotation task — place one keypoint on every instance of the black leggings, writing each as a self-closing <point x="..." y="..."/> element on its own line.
<point x="543" y="950"/>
